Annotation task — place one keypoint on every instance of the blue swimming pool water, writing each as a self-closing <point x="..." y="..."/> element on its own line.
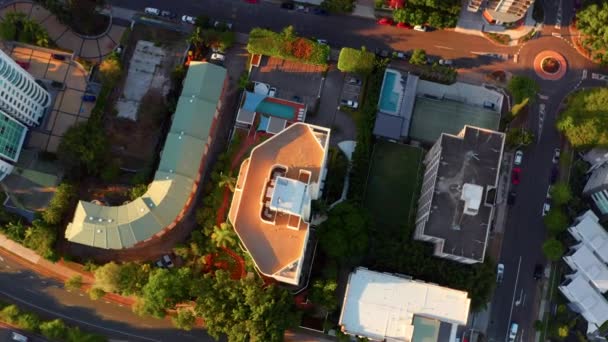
<point x="389" y="98"/>
<point x="264" y="121"/>
<point x="276" y="109"/>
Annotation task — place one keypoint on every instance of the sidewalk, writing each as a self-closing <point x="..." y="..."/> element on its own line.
<point x="364" y="9"/>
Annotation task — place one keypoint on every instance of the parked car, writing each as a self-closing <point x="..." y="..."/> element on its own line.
<point x="382" y="53"/>
<point x="58" y="57"/>
<point x="554" y="174"/>
<point x="420" y="28"/>
<point x="513" y="332"/>
<point x="322" y="41"/>
<point x="404" y="26"/>
<point x="385" y="21"/>
<point x="556" y="154"/>
<point x="89" y="98"/>
<point x="519" y="156"/>
<point x="500" y="272"/>
<point x="446" y="62"/>
<point x="167" y="14"/>
<point x="167" y="261"/>
<point x="24" y="65"/>
<point x="319" y="11"/>
<point x="539" y="271"/>
<point x="188" y="19"/>
<point x="218" y="57"/>
<point x="272" y="92"/>
<point x="511" y="197"/>
<point x="349" y="103"/>
<point x="288" y="5"/>
<point x="297" y="99"/>
<point x="402" y="55"/>
<point x="15" y="336"/>
<point x="222" y="25"/>
<point x="152" y="11"/>
<point x="354" y="81"/>
<point x="549" y="192"/>
<point x="515" y="175"/>
<point x="546" y="208"/>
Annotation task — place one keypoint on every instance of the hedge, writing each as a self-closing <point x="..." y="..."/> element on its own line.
<point x="356" y="61"/>
<point x="287" y="45"/>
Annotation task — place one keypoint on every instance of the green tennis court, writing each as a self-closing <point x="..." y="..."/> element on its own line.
<point x="433" y="117"/>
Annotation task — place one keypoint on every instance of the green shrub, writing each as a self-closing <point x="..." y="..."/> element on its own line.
<point x="73" y="283"/>
<point x="287" y="45"/>
<point x="356" y="61"/>
<point x="16" y="26"/>
<point x="95" y="293"/>
<point x="59" y="204"/>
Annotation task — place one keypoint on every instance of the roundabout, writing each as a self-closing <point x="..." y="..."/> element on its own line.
<point x="550" y="65"/>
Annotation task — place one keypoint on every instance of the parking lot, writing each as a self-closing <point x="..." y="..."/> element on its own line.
<point x="291" y="79"/>
<point x="68" y="107"/>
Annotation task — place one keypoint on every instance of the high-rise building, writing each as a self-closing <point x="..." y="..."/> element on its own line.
<point x="20" y="96"/>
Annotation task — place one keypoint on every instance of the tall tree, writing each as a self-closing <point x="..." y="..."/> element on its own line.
<point x="556" y="221"/>
<point x="553" y="249"/>
<point x="184" y="319"/>
<point x="591" y="20"/>
<point x="224" y="235"/>
<point x="585" y="120"/>
<point x="227" y="181"/>
<point x="560" y="193"/>
<point x="323" y="294"/>
<point x="344" y="236"/>
<point x="164" y="289"/>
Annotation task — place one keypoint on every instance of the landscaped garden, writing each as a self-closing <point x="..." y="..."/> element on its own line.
<point x="287" y="45"/>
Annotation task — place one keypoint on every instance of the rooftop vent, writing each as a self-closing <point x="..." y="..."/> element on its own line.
<point x="471" y="195"/>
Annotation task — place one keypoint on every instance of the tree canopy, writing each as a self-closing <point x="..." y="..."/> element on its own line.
<point x="287" y="45"/>
<point x="356" y="61"/>
<point x="84" y="148"/>
<point x="522" y="88"/>
<point x="591" y="20"/>
<point x="164" y="289"/>
<point x="585" y="120"/>
<point x="127" y="279"/>
<point x="519" y="137"/>
<point x="323" y="294"/>
<point x="553" y="249"/>
<point x="560" y="193"/>
<point x="16" y="26"/>
<point x="556" y="221"/>
<point x="418" y="57"/>
<point x="338" y="6"/>
<point x="345" y="233"/>
<point x="110" y="70"/>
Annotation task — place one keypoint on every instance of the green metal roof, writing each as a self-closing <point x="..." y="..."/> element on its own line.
<point x="123" y="226"/>
<point x="12" y="134"/>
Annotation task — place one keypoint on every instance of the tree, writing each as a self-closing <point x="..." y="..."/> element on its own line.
<point x="556" y="221"/>
<point x="73" y="283"/>
<point x="28" y="321"/>
<point x="356" y="61"/>
<point x="224" y="235"/>
<point x="345" y="219"/>
<point x="418" y="57"/>
<point x="196" y="37"/>
<point x="517" y="137"/>
<point x="126" y="279"/>
<point x="184" y="319"/>
<point x="323" y="294"/>
<point x="59" y="204"/>
<point x="107" y="277"/>
<point x="83" y="12"/>
<point x="400" y="15"/>
<point x="338" y="6"/>
<point x="522" y="88"/>
<point x="585" y="120"/>
<point x="591" y="20"/>
<point x="110" y="70"/>
<point x="560" y="193"/>
<point x="95" y="293"/>
<point x="553" y="249"/>
<point x="244" y="309"/>
<point x="227" y="181"/>
<point x="84" y="148"/>
<point x="53" y="330"/>
<point x="137" y="191"/>
<point x="41" y="238"/>
<point x="164" y="289"/>
<point x="16" y="26"/>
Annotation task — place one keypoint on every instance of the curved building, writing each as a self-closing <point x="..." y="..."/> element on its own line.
<point x="505" y="11"/>
<point x="172" y="191"/>
<point x="20" y="95"/>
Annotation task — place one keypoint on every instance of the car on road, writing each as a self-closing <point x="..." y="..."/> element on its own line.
<point x="288" y="5"/>
<point x="446" y="62"/>
<point x="349" y="103"/>
<point x="548" y="197"/>
<point x="513" y="332"/>
<point x="519" y="156"/>
<point x="539" y="271"/>
<point x="500" y="272"/>
<point x="218" y="57"/>
<point x="556" y="154"/>
<point x="515" y="175"/>
<point x="385" y="21"/>
<point x="272" y="92"/>
<point x="188" y="19"/>
<point x="404" y="26"/>
<point x="354" y="81"/>
<point x="511" y="198"/>
<point x="546" y="208"/>
<point x="152" y="11"/>
<point x="420" y="28"/>
<point x="15" y="336"/>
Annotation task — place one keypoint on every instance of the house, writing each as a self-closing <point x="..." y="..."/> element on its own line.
<point x="596" y="187"/>
<point x="182" y="162"/>
<point x="270" y="209"/>
<point x="587" y="286"/>
<point x="268" y="114"/>
<point x="456" y="203"/>
<point x="389" y="307"/>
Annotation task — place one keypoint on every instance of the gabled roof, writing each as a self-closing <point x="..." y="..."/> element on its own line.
<point x="116" y="227"/>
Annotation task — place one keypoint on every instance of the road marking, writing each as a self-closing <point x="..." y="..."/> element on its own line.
<point x="585" y="74"/>
<point x="513" y="301"/>
<point x="541" y="119"/>
<point x="556" y="34"/>
<point x="543" y="97"/>
<point x="77" y="320"/>
<point x="444" y="47"/>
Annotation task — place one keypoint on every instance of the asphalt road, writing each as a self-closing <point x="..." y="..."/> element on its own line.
<point x="47" y="298"/>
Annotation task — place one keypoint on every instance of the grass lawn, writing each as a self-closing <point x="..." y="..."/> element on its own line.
<point x="393" y="182"/>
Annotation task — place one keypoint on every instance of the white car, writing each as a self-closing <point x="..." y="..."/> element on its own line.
<point x="446" y="62"/>
<point x="519" y="156"/>
<point x="513" y="332"/>
<point x="152" y="11"/>
<point x="167" y="261"/>
<point x="556" y="154"/>
<point x="18" y="337"/>
<point x="420" y="28"/>
<point x="500" y="272"/>
<point x="546" y="208"/>
<point x="350" y="103"/>
<point x="272" y="92"/>
<point x="188" y="19"/>
<point x="218" y="57"/>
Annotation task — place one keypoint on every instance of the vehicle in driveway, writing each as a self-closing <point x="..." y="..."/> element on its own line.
<point x="349" y="103"/>
<point x="519" y="156"/>
<point x="218" y="57"/>
<point x="539" y="271"/>
<point x="223" y="25"/>
<point x="402" y="55"/>
<point x="420" y="28"/>
<point x="152" y="11"/>
<point x="513" y="332"/>
<point x="385" y="21"/>
<point x="272" y="92"/>
<point x="167" y="14"/>
<point x="500" y="272"/>
<point x="556" y="154"/>
<point x="511" y="198"/>
<point x="515" y="175"/>
<point x="167" y="261"/>
<point x="188" y="19"/>
<point x="546" y="208"/>
<point x="15" y="336"/>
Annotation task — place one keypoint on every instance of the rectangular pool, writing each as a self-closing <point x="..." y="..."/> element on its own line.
<point x="389" y="99"/>
<point x="276" y="109"/>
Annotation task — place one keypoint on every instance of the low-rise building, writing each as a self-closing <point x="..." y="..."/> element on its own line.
<point x="389" y="307"/>
<point x="271" y="206"/>
<point x="596" y="188"/>
<point x="502" y="11"/>
<point x="456" y="203"/>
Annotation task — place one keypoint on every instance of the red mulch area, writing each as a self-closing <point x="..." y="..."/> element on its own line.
<point x="226" y="260"/>
<point x="302" y="302"/>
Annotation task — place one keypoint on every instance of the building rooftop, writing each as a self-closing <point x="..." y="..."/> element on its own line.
<point x="12" y="135"/>
<point x="271" y="203"/>
<point x="471" y="162"/>
<point x="588" y="230"/>
<point x="593" y="306"/>
<point x="588" y="264"/>
<point x="385" y="306"/>
<point x="175" y="181"/>
<point x="598" y="180"/>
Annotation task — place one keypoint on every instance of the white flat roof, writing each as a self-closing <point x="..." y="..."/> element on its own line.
<point x="382" y="306"/>
<point x="289" y="196"/>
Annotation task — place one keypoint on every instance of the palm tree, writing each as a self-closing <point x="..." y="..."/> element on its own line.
<point x="196" y="38"/>
<point x="227" y="181"/>
<point x="224" y="235"/>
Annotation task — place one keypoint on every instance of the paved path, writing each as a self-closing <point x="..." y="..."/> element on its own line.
<point x="85" y="47"/>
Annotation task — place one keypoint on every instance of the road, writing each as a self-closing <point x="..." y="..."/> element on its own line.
<point x="47" y="298"/>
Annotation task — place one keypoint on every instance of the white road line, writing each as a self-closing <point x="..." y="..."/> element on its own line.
<point x="444" y="47"/>
<point x="76" y="320"/>
<point x="513" y="300"/>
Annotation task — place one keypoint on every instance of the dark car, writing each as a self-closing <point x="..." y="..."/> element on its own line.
<point x="58" y="57"/>
<point x="288" y="5"/>
<point x="89" y="98"/>
<point x="554" y="174"/>
<point x="515" y="175"/>
<point x="539" y="271"/>
<point x="511" y="198"/>
<point x="319" y="11"/>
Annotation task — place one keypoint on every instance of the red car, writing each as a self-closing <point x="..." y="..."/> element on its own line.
<point x="405" y="26"/>
<point x="24" y="65"/>
<point x="515" y="175"/>
<point x="385" y="21"/>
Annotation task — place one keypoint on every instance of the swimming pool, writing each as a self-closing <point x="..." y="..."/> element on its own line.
<point x="264" y="121"/>
<point x="389" y="99"/>
<point x="276" y="109"/>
